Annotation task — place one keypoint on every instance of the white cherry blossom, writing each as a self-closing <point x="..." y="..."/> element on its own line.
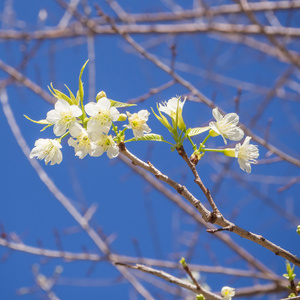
<point x="137" y="122"/>
<point x="246" y="154"/>
<point x="226" y="126"/>
<point x="105" y="143"/>
<point x="63" y="116"/>
<point x="227" y="292"/>
<point x="170" y="108"/>
<point x="102" y="115"/>
<point x="82" y="144"/>
<point x="47" y="149"/>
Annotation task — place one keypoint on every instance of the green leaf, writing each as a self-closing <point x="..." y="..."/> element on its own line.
<point x="197" y="130"/>
<point x="74" y="100"/>
<point x="38" y="122"/>
<point x="286" y="276"/>
<point x="59" y="95"/>
<point x="162" y="119"/>
<point x="114" y="103"/>
<point x="81" y="91"/>
<point x="77" y="97"/>
<point x="148" y="137"/>
<point x="46" y="127"/>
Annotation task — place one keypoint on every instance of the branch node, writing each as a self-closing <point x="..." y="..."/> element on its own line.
<point x="181" y="151"/>
<point x="212" y="218"/>
<point x="122" y="146"/>
<point x="227" y="228"/>
<point x="262" y="238"/>
<point x="180" y="189"/>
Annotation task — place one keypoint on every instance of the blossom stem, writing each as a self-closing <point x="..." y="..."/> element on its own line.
<point x="194" y="145"/>
<point x="63" y="136"/>
<point x="213" y="150"/>
<point x="120" y="134"/>
<point x="115" y="128"/>
<point x="83" y="116"/>
<point x="204" y="141"/>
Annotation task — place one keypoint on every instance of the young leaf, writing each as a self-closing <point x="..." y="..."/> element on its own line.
<point x="148" y="137"/>
<point x="198" y="130"/>
<point x="163" y="120"/>
<point x="59" y="95"/>
<point x="74" y="100"/>
<point x="81" y="91"/>
<point x="77" y="97"/>
<point x="46" y="127"/>
<point x="38" y="122"/>
<point x="114" y="103"/>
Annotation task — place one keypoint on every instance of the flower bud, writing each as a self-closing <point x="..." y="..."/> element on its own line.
<point x="182" y="261"/>
<point x="100" y="95"/>
<point x="200" y="297"/>
<point x="298" y="229"/>
<point x="122" y="117"/>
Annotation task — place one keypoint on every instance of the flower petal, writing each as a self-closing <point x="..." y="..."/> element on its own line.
<point x="62" y="105"/>
<point x="231" y="118"/>
<point x="216" y="114"/>
<point x="91" y="109"/>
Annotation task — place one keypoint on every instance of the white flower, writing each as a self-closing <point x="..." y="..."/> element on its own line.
<point x="82" y="144"/>
<point x="137" y="122"/>
<point x="227" y="292"/>
<point x="105" y="143"/>
<point x="246" y="154"/>
<point x="63" y="116"/>
<point x="171" y="108"/>
<point x="102" y="115"/>
<point x="47" y="149"/>
<point x="226" y="126"/>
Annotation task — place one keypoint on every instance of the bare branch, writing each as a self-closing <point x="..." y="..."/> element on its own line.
<point x="171" y="279"/>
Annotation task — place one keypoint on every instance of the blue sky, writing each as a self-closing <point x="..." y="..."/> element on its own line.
<point x="129" y="209"/>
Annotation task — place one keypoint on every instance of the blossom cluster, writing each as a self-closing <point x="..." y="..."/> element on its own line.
<point x="225" y="126"/>
<point x="91" y="128"/>
<point x="89" y="135"/>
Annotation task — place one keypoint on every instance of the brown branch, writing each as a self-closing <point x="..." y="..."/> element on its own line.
<point x="152" y="91"/>
<point x="77" y="29"/>
<point x="214" y="11"/>
<point x="294" y="59"/>
<point x="175" y="198"/>
<point x="192" y="88"/>
<point x="71" y="256"/>
<point x="260" y="289"/>
<point x="199" y="182"/>
<point x="206" y="215"/>
<point x="272" y="93"/>
<point x="16" y="75"/>
<point x="288" y="185"/>
<point x="171" y="279"/>
<point x="81" y="220"/>
<point x="182" y="190"/>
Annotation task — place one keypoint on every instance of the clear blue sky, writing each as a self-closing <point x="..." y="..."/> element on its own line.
<point x="129" y="209"/>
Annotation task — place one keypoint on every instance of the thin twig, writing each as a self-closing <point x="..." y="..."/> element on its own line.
<point x="171" y="278"/>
